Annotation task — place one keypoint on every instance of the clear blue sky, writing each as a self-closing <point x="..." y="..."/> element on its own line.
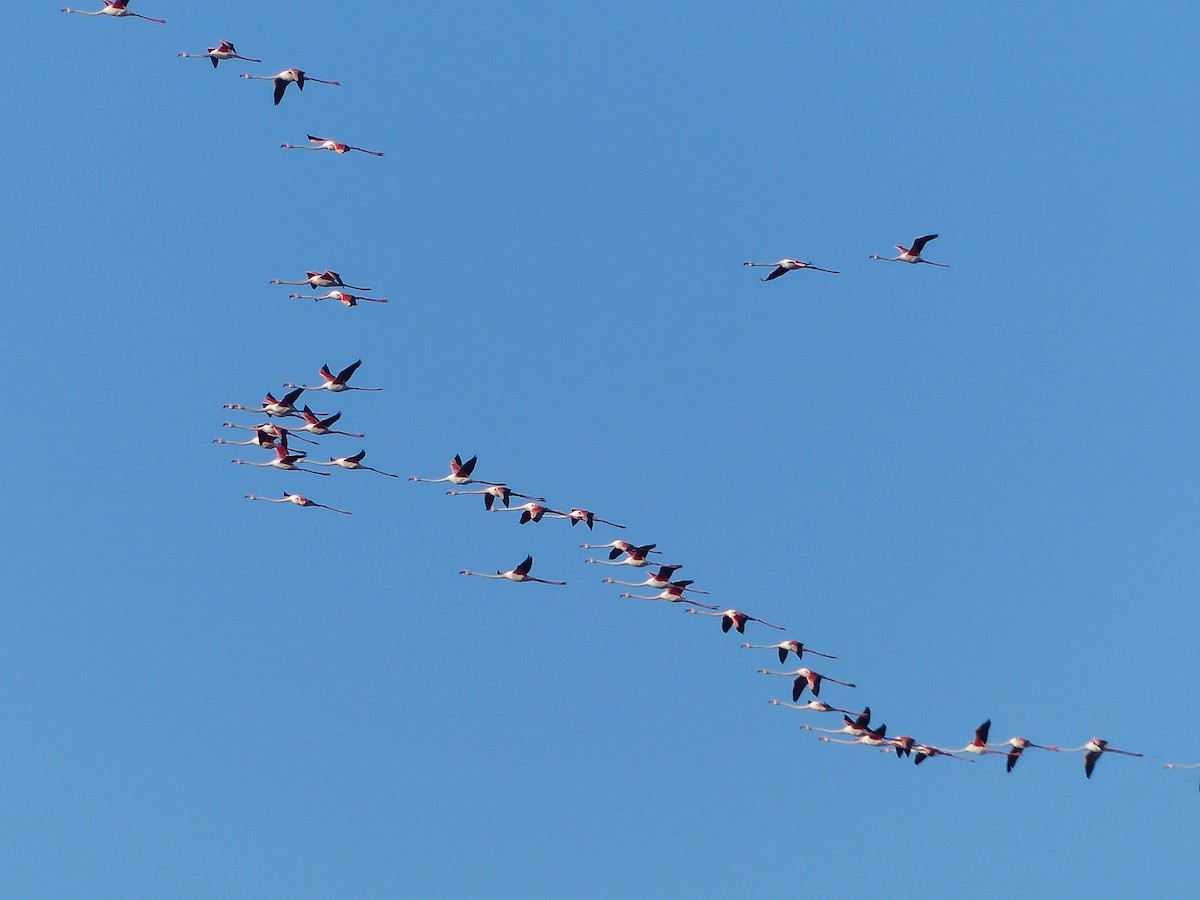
<point x="976" y="485"/>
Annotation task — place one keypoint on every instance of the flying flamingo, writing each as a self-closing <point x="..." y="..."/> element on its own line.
<point x="286" y="77"/>
<point x="334" y="383"/>
<point x="460" y="473"/>
<point x="979" y="744"/>
<point x="637" y="557"/>
<point x="1093" y="750"/>
<point x="299" y="501"/>
<point x="735" y="618"/>
<point x="281" y="434"/>
<point x="496" y="492"/>
<point x="352" y="463"/>
<point x="912" y="254"/>
<point x="320" y="427"/>
<point x="660" y="580"/>
<point x="341" y="297"/>
<point x="902" y="744"/>
<point x="262" y="438"/>
<point x="855" y="727"/>
<point x="783" y="266"/>
<point x="806" y="678"/>
<point x="617" y="548"/>
<point x="1015" y="747"/>
<point x="872" y="737"/>
<point x="672" y="594"/>
<point x="520" y="573"/>
<point x="272" y="407"/>
<point x="531" y="512"/>
<point x="1182" y="766"/>
<point x="785" y="647"/>
<point x="813" y="705"/>
<point x="325" y="279"/>
<point x="283" y="460"/>
<point x="224" y="50"/>
<point x="327" y="144"/>
<point x="115" y="8"/>
<point x="577" y="515"/>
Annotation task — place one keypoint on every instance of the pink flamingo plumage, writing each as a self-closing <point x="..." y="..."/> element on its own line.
<point x="330" y="144"/>
<point x="224" y="50"/>
<point x="735" y="618"/>
<point x="334" y="383"/>
<point x="783" y="266"/>
<point x="284" y="459"/>
<point x="806" y="678"/>
<point x="912" y="254"/>
<point x="496" y="492"/>
<point x="117" y="9"/>
<point x="341" y="297"/>
<point x="352" y="463"/>
<point x="577" y="515"/>
<point x="671" y="594"/>
<point x="786" y="647"/>
<point x="288" y="76"/>
<point x="326" y="279"/>
<point x="531" y="512"/>
<point x="460" y="473"/>
<point x="320" y="427"/>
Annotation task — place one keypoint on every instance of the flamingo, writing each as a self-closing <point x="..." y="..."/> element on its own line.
<point x="902" y="744"/>
<point x="783" y="266"/>
<point x="617" y="548"/>
<point x="496" y="492"/>
<point x="531" y="512"/>
<point x="320" y="427"/>
<point x="262" y="438"/>
<point x="813" y="705"/>
<point x="297" y="500"/>
<point x="806" y="678"/>
<point x="1093" y="750"/>
<point x="325" y="279"/>
<point x="520" y="573"/>
<point x="785" y="647"/>
<point x="283" y="460"/>
<point x="282" y="434"/>
<point x="460" y="473"/>
<point x="1182" y="766"/>
<point x="872" y="737"/>
<point x="637" y="557"/>
<point x="341" y="297"/>
<point x="225" y="50"/>
<point x="334" y="383"/>
<point x="327" y="144"/>
<point x="1016" y="746"/>
<point x="855" y="727"/>
<point x="352" y="463"/>
<point x="272" y="407"/>
<point x="735" y="618"/>
<point x="577" y="515"/>
<point x="660" y="580"/>
<point x="286" y="77"/>
<point x="115" y="8"/>
<point x="912" y="254"/>
<point x="979" y="744"/>
<point x="673" y="594"/>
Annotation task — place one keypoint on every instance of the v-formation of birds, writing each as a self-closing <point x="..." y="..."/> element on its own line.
<point x="497" y="496"/>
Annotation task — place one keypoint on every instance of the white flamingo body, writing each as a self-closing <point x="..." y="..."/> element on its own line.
<point x="353" y="463"/>
<point x="288" y="76"/>
<point x="320" y="143"/>
<point x="912" y="255"/>
<point x="341" y="297"/>
<point x="786" y="647"/>
<point x="496" y="492"/>
<point x="734" y="618"/>
<point x="297" y="500"/>
<point x="783" y="266"/>
<point x="223" y="51"/>
<point x="325" y="279"/>
<point x="460" y="473"/>
<point x="117" y="9"/>
<point x="519" y="573"/>
<point x="806" y="678"/>
<point x="334" y="383"/>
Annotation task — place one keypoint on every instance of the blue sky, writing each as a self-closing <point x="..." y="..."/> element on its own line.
<point x="975" y="485"/>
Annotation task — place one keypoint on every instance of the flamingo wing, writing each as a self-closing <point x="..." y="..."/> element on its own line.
<point x="781" y="270"/>
<point x="525" y="566"/>
<point x="464" y="468"/>
<point x="357" y="457"/>
<point x="280" y="87"/>
<point x="919" y="243"/>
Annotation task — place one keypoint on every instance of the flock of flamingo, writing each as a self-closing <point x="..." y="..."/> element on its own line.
<point x="277" y="440"/>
